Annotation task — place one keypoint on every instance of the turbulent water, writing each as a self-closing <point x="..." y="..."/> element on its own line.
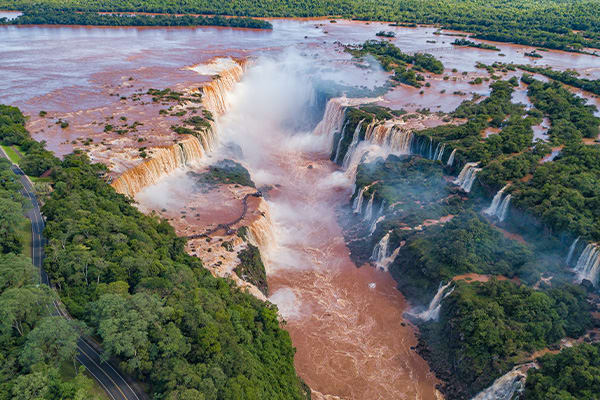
<point x="190" y="150"/>
<point x="340" y="318"/>
<point x="346" y="323"/>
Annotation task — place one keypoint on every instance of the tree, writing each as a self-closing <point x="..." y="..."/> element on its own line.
<point x="21" y="308"/>
<point x="12" y="217"/>
<point x="52" y="341"/>
<point x="15" y="271"/>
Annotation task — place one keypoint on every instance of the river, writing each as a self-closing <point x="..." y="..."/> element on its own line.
<point x="345" y="322"/>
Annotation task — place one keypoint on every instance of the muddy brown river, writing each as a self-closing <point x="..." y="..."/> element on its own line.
<point x="345" y="322"/>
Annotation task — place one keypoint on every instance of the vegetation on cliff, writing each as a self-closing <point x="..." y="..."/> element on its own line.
<point x="484" y="328"/>
<point x="571" y="374"/>
<point x="155" y="308"/>
<point x="251" y="268"/>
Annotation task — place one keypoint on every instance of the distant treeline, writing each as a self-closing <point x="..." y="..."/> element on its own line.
<point x="554" y="24"/>
<point x="54" y="17"/>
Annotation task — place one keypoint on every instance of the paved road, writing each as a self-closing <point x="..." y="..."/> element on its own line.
<point x="111" y="380"/>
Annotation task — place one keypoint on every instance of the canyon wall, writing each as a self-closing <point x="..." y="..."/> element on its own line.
<point x="191" y="148"/>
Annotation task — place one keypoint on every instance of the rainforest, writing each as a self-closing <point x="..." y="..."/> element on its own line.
<point x="299" y="200"/>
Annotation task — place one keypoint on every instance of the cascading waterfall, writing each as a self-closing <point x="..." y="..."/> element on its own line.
<point x="439" y="151"/>
<point x="380" y="253"/>
<point x="433" y="311"/>
<point x="493" y="208"/>
<point x="358" y="200"/>
<point x="391" y="137"/>
<point x="374" y="224"/>
<point x="505" y="387"/>
<point x="164" y="160"/>
<point x="380" y="249"/>
<point x="450" y="161"/>
<point x="571" y="250"/>
<point x="369" y="211"/>
<point x="352" y="146"/>
<point x="189" y="150"/>
<point x="588" y="264"/>
<point x="214" y="94"/>
<point x="333" y="117"/>
<point x="499" y="206"/>
<point x="260" y="232"/>
<point x="467" y="176"/>
<point x="503" y="210"/>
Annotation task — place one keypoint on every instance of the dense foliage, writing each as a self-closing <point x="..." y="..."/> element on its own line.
<point x="168" y="320"/>
<point x="156" y="308"/>
<point x="572" y="374"/>
<point x="496" y="111"/>
<point x="557" y="24"/>
<point x="251" y="268"/>
<point x="465" y="244"/>
<point x="565" y="193"/>
<point x="571" y="117"/>
<point x="37" y="159"/>
<point x="568" y="77"/>
<point x="393" y="59"/>
<point x="51" y="17"/>
<point x="223" y="172"/>
<point x="485" y="327"/>
<point x="37" y="351"/>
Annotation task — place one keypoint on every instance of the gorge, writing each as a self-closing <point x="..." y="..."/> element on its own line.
<point x="403" y="248"/>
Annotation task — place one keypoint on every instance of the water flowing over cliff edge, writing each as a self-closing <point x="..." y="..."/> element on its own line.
<point x="192" y="148"/>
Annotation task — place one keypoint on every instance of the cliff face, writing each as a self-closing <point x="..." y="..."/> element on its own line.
<point x="190" y="149"/>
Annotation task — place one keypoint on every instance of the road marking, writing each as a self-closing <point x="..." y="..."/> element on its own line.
<point x="100" y="368"/>
<point x="98" y="379"/>
<point x="111" y="367"/>
<point x="37" y="237"/>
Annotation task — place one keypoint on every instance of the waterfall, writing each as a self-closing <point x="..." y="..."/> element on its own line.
<point x="380" y="253"/>
<point x="571" y="250"/>
<point x="439" y="151"/>
<point x="504" y="208"/>
<point x="358" y="200"/>
<point x="190" y="149"/>
<point x="433" y="311"/>
<point x="374" y="224"/>
<point x="164" y="160"/>
<point x="352" y="146"/>
<point x="493" y="208"/>
<point x="339" y="143"/>
<point x="333" y="116"/>
<point x="588" y="264"/>
<point x="380" y="249"/>
<point x="467" y="176"/>
<point x="505" y="387"/>
<point x="499" y="206"/>
<point x="451" y="158"/>
<point x="369" y="211"/>
<point x="260" y="232"/>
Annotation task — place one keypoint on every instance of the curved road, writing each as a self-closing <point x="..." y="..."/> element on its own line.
<point x="112" y="381"/>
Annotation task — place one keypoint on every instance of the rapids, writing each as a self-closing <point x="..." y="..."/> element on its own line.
<point x="346" y="323"/>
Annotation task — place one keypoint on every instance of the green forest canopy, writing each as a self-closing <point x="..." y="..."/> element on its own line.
<point x="558" y="24"/>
